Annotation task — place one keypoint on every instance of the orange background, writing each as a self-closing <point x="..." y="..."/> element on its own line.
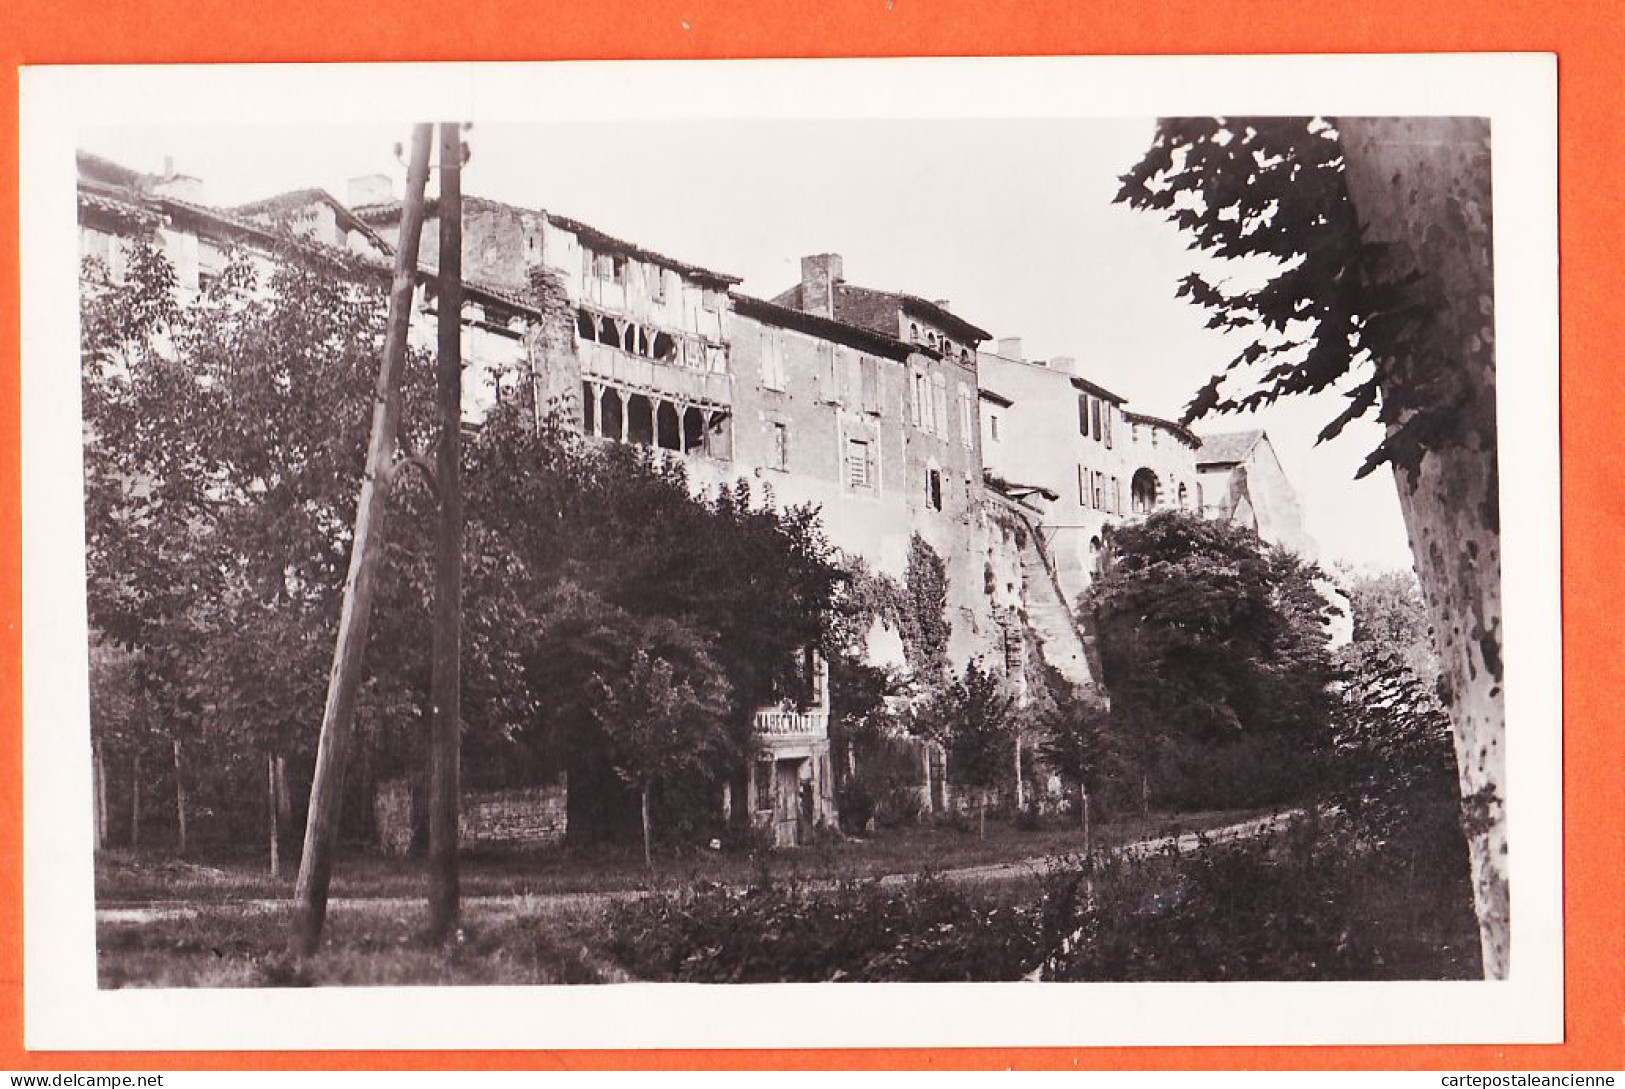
<point x="1589" y="42"/>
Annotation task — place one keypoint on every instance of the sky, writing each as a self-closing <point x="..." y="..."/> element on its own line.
<point x="1011" y="221"/>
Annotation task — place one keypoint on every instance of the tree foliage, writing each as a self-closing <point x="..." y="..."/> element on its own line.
<point x="1264" y="199"/>
<point x="1208" y="633"/>
<point x="225" y="438"/>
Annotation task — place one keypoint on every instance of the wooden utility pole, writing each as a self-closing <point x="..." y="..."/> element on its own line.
<point x="446" y="678"/>
<point x="327" y="786"/>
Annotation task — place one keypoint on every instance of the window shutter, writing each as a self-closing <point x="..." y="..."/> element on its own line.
<point x="939" y="404"/>
<point x="1107" y="419"/>
<point x="1083" y="414"/>
<point x="871" y="386"/>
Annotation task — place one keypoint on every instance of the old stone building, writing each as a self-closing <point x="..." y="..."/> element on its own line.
<point x="881" y="408"/>
<point x="1049" y="431"/>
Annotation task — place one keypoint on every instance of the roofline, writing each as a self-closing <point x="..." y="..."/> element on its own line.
<point x="997" y="398"/>
<point x="592" y="235"/>
<point x="322" y="195"/>
<point x="1262" y="436"/>
<point x="1181" y="430"/>
<point x="344" y="259"/>
<point x="380" y="211"/>
<point x="925" y="308"/>
<point x="853" y="336"/>
<point x="1100" y="391"/>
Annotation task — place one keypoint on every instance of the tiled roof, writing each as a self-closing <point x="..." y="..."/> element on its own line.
<point x="302" y="198"/>
<point x="1228" y="448"/>
<point x="1184" y="433"/>
<point x="854" y="336"/>
<point x="592" y="237"/>
<point x="877" y="310"/>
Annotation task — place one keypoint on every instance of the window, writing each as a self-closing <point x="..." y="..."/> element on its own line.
<point x="860" y="470"/>
<point x="1094" y="417"/>
<point x="764" y="784"/>
<point x="870" y="380"/>
<point x="1117" y="496"/>
<point x="1083" y="486"/>
<point x="1153" y="436"/>
<point x="939" y="404"/>
<point x="913" y="333"/>
<point x="1106" y="418"/>
<point x="781" y="447"/>
<point x="1100" y="491"/>
<point x="657" y="284"/>
<point x="993" y="426"/>
<point x="933" y="489"/>
<point x="772" y="359"/>
<point x="1083" y="414"/>
<point x="827" y="374"/>
<point x="967" y="416"/>
<point x="920" y="402"/>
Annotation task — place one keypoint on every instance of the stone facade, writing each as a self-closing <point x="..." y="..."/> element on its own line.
<point x="878" y="407"/>
<point x="1092" y="463"/>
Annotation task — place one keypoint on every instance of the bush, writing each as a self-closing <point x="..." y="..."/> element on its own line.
<point x="927" y="930"/>
<point x="1027" y="819"/>
<point x="1318" y="901"/>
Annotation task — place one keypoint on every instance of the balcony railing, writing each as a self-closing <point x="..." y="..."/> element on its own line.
<point x="667" y="380"/>
<point x="780" y="723"/>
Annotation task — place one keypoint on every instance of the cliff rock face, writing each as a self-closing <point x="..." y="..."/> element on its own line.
<point x="1421" y="190"/>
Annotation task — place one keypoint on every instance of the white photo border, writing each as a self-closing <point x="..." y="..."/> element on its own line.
<point x="63" y="1007"/>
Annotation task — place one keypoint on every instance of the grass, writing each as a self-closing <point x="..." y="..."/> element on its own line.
<point x="238" y="945"/>
<point x="129" y="877"/>
<point x="1306" y="902"/>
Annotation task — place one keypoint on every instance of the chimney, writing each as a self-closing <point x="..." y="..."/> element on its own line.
<point x="369" y="189"/>
<point x="941" y="302"/>
<point x="820" y="273"/>
<point x="1010" y="347"/>
<point x="1066" y="364"/>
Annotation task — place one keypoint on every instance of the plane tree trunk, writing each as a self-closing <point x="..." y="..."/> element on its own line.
<point x="1421" y="188"/>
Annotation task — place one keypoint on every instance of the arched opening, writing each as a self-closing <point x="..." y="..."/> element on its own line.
<point x="640" y="420"/>
<point x="720" y="441"/>
<point x="586" y="325"/>
<point x="612" y="416"/>
<point x="693" y="431"/>
<point x="1143" y="491"/>
<point x="589" y="409"/>
<point x="628" y="337"/>
<point x="668" y="427"/>
<point x="914" y="332"/>
<point x="665" y="348"/>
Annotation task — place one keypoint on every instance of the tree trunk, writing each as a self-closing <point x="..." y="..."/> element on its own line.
<point x="643" y="805"/>
<point x="446" y="671"/>
<point x="180" y="800"/>
<point x="1421" y="187"/>
<point x="366" y="549"/>
<point x="271" y="812"/>
<point x="135" y="800"/>
<point x="1088" y="833"/>
<point x="1020" y="793"/>
<point x="99" y="797"/>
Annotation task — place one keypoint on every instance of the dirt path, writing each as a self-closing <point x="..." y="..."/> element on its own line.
<point x="160" y="910"/>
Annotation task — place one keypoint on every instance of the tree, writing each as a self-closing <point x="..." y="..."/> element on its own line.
<point x="665" y="713"/>
<point x="1073" y="740"/>
<point x="973" y="717"/>
<point x="603" y="530"/>
<point x="1376" y="237"/>
<point x="1209" y="638"/>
